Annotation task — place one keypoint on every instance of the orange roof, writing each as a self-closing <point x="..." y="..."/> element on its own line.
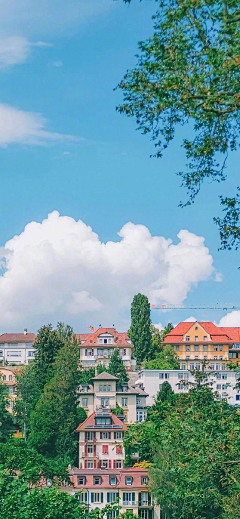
<point x="217" y="334"/>
<point x="233" y="332"/>
<point x="17" y="337"/>
<point x="90" y="339"/>
<point x="90" y="422"/>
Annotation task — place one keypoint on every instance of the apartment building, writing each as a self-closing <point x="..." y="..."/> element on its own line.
<point x="8" y="377"/>
<point x="17" y="348"/>
<point x="198" y="341"/>
<point x="98" y="346"/>
<point x="105" y="392"/>
<point x="103" y="487"/>
<point x="223" y="383"/>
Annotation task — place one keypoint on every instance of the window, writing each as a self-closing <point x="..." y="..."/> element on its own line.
<point x="160" y="387"/>
<point x="81" y="480"/>
<point x="90" y="449"/>
<point x="232" y="355"/>
<point x="85" y="388"/>
<point x="188" y="348"/>
<point x="218" y="366"/>
<point x="191" y="367"/>
<point x="10" y="378"/>
<point x="4" y="377"/>
<point x="117" y="435"/>
<point x="218" y="375"/>
<point x="205" y="347"/>
<point x="14" y="353"/>
<point x="198" y="367"/>
<point x="96" y="497"/>
<point x="85" y="402"/>
<point x="31" y="354"/>
<point x="161" y="375"/>
<point x="124" y="402"/>
<point x="187" y="357"/>
<point x="187" y="338"/>
<point x="144" y="499"/>
<point x="177" y="348"/>
<point x="118" y="464"/>
<point x="104" y="464"/>
<point x="211" y="366"/>
<point x="185" y="376"/>
<point x="129" y="498"/>
<point x="223" y="367"/>
<point x="144" y="480"/>
<point x="128" y="480"/>
<point x="112" y="480"/>
<point x="237" y="397"/>
<point x="221" y="347"/>
<point x="145" y="513"/>
<point x="119" y="449"/>
<point x="183" y="366"/>
<point x="141" y="415"/>
<point x="112" y="496"/>
<point x="196" y="357"/>
<point x="89" y="436"/>
<point x="105" y="449"/>
<point x="224" y="386"/>
<point x="205" y="338"/>
<point x="215" y="348"/>
<point x="196" y="338"/>
<point x="196" y="348"/>
<point x="97" y="480"/>
<point x="215" y="357"/>
<point x="105" y="435"/>
<point x="224" y="376"/>
<point x="83" y="497"/>
<point x="220" y="358"/>
<point x="180" y="386"/>
<point x="166" y="375"/>
<point x="104" y="402"/>
<point x="103" y="420"/>
<point x="1" y="353"/>
<point x="180" y="376"/>
<point x="205" y="357"/>
<point x="90" y="464"/>
<point x="11" y="390"/>
<point x="104" y="387"/>
<point x="196" y="328"/>
<point x="218" y="386"/>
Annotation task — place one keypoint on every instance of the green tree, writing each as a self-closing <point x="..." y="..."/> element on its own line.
<point x="28" y="393"/>
<point x="140" y="332"/>
<point x="157" y="338"/>
<point x="47" y="344"/>
<point x="6" y="425"/>
<point x="188" y="72"/>
<point x="166" y="359"/>
<point x="116" y="368"/>
<point x="55" y="417"/>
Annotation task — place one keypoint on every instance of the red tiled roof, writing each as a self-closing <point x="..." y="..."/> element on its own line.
<point x="90" y="422"/>
<point x="216" y="333"/>
<point x="233" y="332"/>
<point x="121" y="338"/>
<point x="17" y="337"/>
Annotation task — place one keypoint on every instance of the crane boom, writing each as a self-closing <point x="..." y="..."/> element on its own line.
<point x="207" y="306"/>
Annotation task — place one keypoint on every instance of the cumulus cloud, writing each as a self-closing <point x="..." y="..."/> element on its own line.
<point x="59" y="268"/>
<point x="190" y="320"/>
<point x="17" y="126"/>
<point x="16" y="49"/>
<point x="231" y="319"/>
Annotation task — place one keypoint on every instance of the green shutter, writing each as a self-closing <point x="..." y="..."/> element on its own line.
<point x="86" y="497"/>
<point x="92" y="497"/>
<point x="108" y="497"/>
<point x="133" y="496"/>
<point x="101" y="497"/>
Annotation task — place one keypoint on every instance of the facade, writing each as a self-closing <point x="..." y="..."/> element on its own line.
<point x="98" y="346"/>
<point x="106" y="393"/>
<point x="223" y="382"/>
<point x="203" y="341"/>
<point x="129" y="486"/>
<point x="8" y="377"/>
<point x="17" y="348"/>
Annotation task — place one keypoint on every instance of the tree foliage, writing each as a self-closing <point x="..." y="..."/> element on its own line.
<point x="157" y="338"/>
<point x="116" y="368"/>
<point x="47" y="345"/>
<point x="188" y="72"/>
<point x="165" y="359"/>
<point x="6" y="424"/>
<point x="140" y="333"/>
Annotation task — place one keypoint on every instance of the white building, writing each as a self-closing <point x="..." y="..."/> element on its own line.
<point x="98" y="346"/>
<point x="224" y="382"/>
<point x="17" y="348"/>
<point x="106" y="393"/>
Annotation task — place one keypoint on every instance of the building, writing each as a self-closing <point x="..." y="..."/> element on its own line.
<point x="98" y="346"/>
<point x="101" y="441"/>
<point x="223" y="382"/>
<point x="17" y="348"/>
<point x="103" y="487"/>
<point x="8" y="377"/>
<point x="106" y="393"/>
<point x="198" y="341"/>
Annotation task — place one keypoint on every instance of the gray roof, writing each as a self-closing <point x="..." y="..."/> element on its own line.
<point x="105" y="376"/>
<point x="140" y="391"/>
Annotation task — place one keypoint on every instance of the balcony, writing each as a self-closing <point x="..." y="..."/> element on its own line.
<point x="129" y="503"/>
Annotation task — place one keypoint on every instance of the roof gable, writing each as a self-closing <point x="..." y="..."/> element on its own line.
<point x="105" y="376"/>
<point x="90" y="422"/>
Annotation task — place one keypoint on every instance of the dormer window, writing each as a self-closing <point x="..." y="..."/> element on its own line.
<point x="85" y="388"/>
<point x="125" y="388"/>
<point x="97" y="480"/>
<point x="128" y="480"/>
<point x="112" y="480"/>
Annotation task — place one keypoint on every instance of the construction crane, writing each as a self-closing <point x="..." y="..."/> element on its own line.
<point x="207" y="306"/>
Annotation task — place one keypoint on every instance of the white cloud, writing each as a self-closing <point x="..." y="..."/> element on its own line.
<point x="57" y="64"/>
<point x="17" y="126"/>
<point x="190" y="320"/>
<point x="16" y="49"/>
<point x="59" y="268"/>
<point x="231" y="319"/>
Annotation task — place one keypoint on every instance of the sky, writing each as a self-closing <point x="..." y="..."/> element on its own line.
<point x="88" y="219"/>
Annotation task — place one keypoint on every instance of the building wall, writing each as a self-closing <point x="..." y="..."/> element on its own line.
<point x="8" y="377"/>
<point x="16" y="353"/>
<point x="152" y="380"/>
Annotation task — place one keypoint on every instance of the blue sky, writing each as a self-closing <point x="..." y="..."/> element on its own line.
<point x="79" y="157"/>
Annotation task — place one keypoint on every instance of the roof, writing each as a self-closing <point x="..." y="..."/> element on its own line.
<point x="105" y="376"/>
<point x="233" y="332"/>
<point x="17" y="337"/>
<point x="135" y="472"/>
<point x="90" y="422"/>
<point x="90" y="339"/>
<point x="216" y="333"/>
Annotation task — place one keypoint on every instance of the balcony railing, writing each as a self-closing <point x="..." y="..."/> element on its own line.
<point x="129" y="503"/>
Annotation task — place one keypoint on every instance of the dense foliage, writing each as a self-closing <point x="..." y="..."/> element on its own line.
<point x="165" y="359"/>
<point x="189" y="71"/>
<point x="140" y="332"/>
<point x="116" y="368"/>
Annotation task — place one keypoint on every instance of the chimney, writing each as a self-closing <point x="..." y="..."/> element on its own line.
<point x="25" y="331"/>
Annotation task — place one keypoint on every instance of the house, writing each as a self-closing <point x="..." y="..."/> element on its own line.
<point x="105" y="392"/>
<point x="17" y="348"/>
<point x="101" y="487"/>
<point x="197" y="341"/>
<point x="98" y="346"/>
<point x="223" y="383"/>
<point x="8" y="377"/>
